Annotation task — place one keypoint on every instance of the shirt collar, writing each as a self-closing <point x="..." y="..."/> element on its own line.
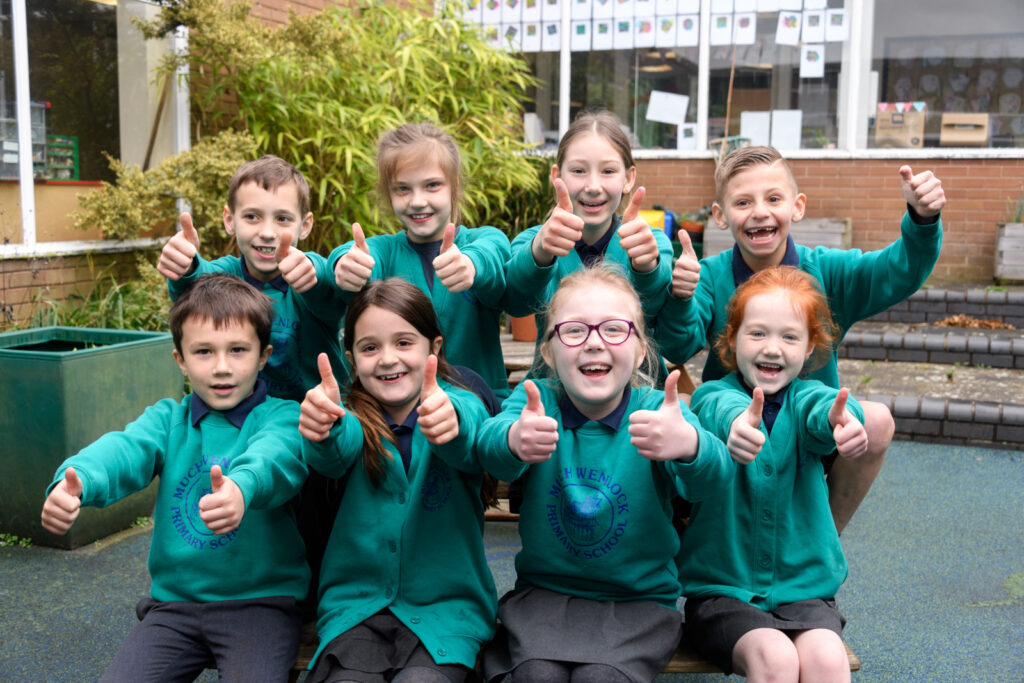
<point x="741" y="272"/>
<point x="591" y="252"/>
<point x="573" y="418"/>
<point x="236" y="416"/>
<point x="277" y="283"/>
<point x="428" y="248"/>
<point x="776" y="398"/>
<point x="409" y="422"/>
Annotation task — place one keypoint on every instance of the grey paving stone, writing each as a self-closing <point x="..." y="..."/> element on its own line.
<point x="977" y="296"/>
<point x="907" y="317"/>
<point x="892" y="340"/>
<point x="992" y="360"/>
<point x="960" y="411"/>
<point x="1001" y="310"/>
<point x="1010" y="434"/>
<point x="913" y="340"/>
<point x="1015" y="297"/>
<point x="866" y="352"/>
<point x="945" y="358"/>
<point x="1013" y="415"/>
<point x="934" y="294"/>
<point x="986" y="412"/>
<point x="935" y="408"/>
<point x="998" y="345"/>
<point x="977" y="344"/>
<point x="870" y="339"/>
<point x="956" y="342"/>
<point x="908" y="356"/>
<point x="884" y="399"/>
<point x="937" y="342"/>
<point x="917" y="427"/>
<point x="930" y="307"/>
<point x="919" y="295"/>
<point x="905" y="406"/>
<point x="969" y="430"/>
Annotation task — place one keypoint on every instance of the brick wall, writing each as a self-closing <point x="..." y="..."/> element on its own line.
<point x="868" y="192"/>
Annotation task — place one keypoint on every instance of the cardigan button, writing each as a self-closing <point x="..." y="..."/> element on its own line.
<point x="442" y="652"/>
<point x="768" y="470"/>
<point x="401" y="498"/>
<point x="415" y="620"/>
<point x="388" y="593"/>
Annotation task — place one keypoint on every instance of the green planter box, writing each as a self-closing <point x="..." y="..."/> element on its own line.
<point x="61" y="388"/>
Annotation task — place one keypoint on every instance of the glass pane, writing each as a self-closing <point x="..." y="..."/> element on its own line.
<point x="949" y="74"/>
<point x="541" y="106"/>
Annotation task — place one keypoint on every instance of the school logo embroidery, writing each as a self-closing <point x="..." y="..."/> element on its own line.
<point x="587" y="511"/>
<point x="185" y="511"/>
<point x="437" y="487"/>
<point x="281" y="373"/>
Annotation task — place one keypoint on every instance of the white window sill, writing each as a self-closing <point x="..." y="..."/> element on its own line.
<point x="77" y="247"/>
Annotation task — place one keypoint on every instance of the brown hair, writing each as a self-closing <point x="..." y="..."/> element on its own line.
<point x="744" y="158"/>
<point x="223" y="299"/>
<point x="599" y="122"/>
<point x="395" y="147"/>
<point x="269" y="172"/>
<point x="804" y="294"/>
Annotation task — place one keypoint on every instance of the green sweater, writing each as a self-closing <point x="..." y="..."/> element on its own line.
<point x="858" y="285"/>
<point x="470" y="320"/>
<point x="265" y="555"/>
<point x="596" y="519"/>
<point x="413" y="544"/>
<point x="769" y="540"/>
<point x="306" y="325"/>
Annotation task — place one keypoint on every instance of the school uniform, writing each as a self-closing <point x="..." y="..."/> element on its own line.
<point x="410" y="548"/>
<point x="470" y="320"/>
<point x="769" y="540"/>
<point x="857" y="285"/>
<point x="257" y="570"/>
<point x="305" y="325"/>
<point x="596" y="580"/>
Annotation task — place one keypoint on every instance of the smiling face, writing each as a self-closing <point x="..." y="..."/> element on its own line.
<point x="259" y="219"/>
<point x="389" y="356"/>
<point x="595" y="373"/>
<point x="772" y="343"/>
<point x="596" y="177"/>
<point x="421" y="196"/>
<point x="757" y="207"/>
<point x="221" y="363"/>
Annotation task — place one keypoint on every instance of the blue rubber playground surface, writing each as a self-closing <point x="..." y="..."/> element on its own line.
<point x="936" y="587"/>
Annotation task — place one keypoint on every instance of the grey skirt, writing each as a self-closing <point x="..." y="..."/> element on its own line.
<point x="636" y="638"/>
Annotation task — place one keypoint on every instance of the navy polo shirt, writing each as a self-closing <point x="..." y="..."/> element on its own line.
<point x="236" y="416"/>
<point x="572" y="418"/>
<point x="277" y="283"/>
<point x="772" y="404"/>
<point x="591" y="253"/>
<point x="403" y="433"/>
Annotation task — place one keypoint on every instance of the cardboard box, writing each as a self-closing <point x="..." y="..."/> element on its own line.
<point x="964" y="130"/>
<point x="900" y="124"/>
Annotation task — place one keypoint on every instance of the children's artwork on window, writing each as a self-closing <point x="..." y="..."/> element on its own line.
<point x="551" y="36"/>
<point x="623" y="9"/>
<point x="665" y="32"/>
<point x="813" y="29"/>
<point x="721" y="29"/>
<point x="623" y="34"/>
<point x="689" y="30"/>
<point x="788" y="30"/>
<point x="643" y="32"/>
<point x="531" y="36"/>
<point x="744" y="29"/>
<point x="603" y="38"/>
<point x="582" y="9"/>
<point x="580" y="37"/>
<point x="812" y="60"/>
<point x="837" y="25"/>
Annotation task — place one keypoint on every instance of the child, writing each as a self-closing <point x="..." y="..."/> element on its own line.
<point x="405" y="590"/>
<point x="268" y="213"/>
<point x="593" y="172"/>
<point x="226" y="559"/>
<point x="757" y="199"/>
<point x="596" y="583"/>
<point x="461" y="270"/>
<point x="760" y="566"/>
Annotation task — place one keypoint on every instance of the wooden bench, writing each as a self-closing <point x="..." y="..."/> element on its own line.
<point x="810" y="232"/>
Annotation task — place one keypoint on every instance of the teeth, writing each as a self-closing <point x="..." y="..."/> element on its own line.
<point x="390" y="377"/>
<point x="594" y="368"/>
<point x="266" y="250"/>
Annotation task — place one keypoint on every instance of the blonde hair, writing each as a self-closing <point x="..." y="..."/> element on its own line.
<point x="744" y="158"/>
<point x="397" y="145"/>
<point x="604" y="124"/>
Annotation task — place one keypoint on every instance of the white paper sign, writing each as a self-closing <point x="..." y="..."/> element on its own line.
<point x="812" y="60"/>
<point x="643" y="32"/>
<point x="512" y="36"/>
<point x="551" y="10"/>
<point x="493" y="37"/>
<point x="767" y="5"/>
<point x="744" y="31"/>
<point x="665" y="32"/>
<point x="687" y="136"/>
<point x="551" y="37"/>
<point x="721" y="6"/>
<point x="757" y="126"/>
<point x="688" y="34"/>
<point x="579" y="40"/>
<point x="603" y="38"/>
<point x="623" y="32"/>
<point x="788" y="31"/>
<point x="837" y="26"/>
<point x="740" y="6"/>
<point x="531" y="10"/>
<point x="643" y="8"/>
<point x="791" y="5"/>
<point x="688" y="6"/>
<point x="511" y="11"/>
<point x="491" y="12"/>
<point x="813" y="27"/>
<point x="815" y="4"/>
<point x="721" y="29"/>
<point x="604" y="9"/>
<point x="623" y="9"/>
<point x="667" y="107"/>
<point x="664" y="8"/>
<point x="582" y="9"/>
<point x="786" y="128"/>
<point x="474" y="11"/>
<point x="531" y="36"/>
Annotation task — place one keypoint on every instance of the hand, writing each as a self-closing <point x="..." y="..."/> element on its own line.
<point x="923" y="192"/>
<point x="322" y="406"/>
<point x="63" y="504"/>
<point x="664" y="434"/>
<point x="437" y="420"/>
<point x="636" y="236"/>
<point x="296" y="268"/>
<point x="850" y="435"/>
<point x="455" y="270"/>
<point x="221" y="510"/>
<point x="560" y="233"/>
<point x="353" y="269"/>
<point x="534" y="436"/>
<point x="686" y="272"/>
<point x="176" y="256"/>
<point x="745" y="435"/>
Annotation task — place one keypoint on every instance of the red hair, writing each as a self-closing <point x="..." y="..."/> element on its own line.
<point x="804" y="294"/>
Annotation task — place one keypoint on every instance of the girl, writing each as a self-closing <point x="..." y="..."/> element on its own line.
<point x="760" y="566"/>
<point x="593" y="173"/>
<point x="405" y="590"/>
<point x="596" y="583"/>
<point x="462" y="271"/>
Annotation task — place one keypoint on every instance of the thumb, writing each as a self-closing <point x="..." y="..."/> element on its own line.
<point x="836" y="416"/>
<point x="429" y="377"/>
<point x="72" y="483"/>
<point x="756" y="407"/>
<point x="688" y="250"/>
<point x="216" y="479"/>
<point x="323" y="364"/>
<point x="284" y="246"/>
<point x="533" y="402"/>
<point x="633" y="210"/>
<point x="906" y="173"/>
<point x="449" y="238"/>
<point x="188" y="230"/>
<point x="562" y="194"/>
<point x="359" y="237"/>
<point x="672" y="390"/>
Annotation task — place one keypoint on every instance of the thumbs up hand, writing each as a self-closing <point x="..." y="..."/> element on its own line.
<point x="922" y="191"/>
<point x="63" y="504"/>
<point x="745" y="436"/>
<point x="454" y="269"/>
<point x="321" y="407"/>
<point x="176" y="256"/>
<point x="534" y="436"/>
<point x="437" y="417"/>
<point x="636" y="236"/>
<point x="850" y="435"/>
<point x="221" y="510"/>
<point x="560" y="232"/>
<point x="686" y="272"/>
<point x="296" y="268"/>
<point x="664" y="434"/>
<point x="353" y="269"/>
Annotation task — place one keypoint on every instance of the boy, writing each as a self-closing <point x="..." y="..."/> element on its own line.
<point x="267" y="213"/>
<point x="226" y="560"/>
<point x="757" y="200"/>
